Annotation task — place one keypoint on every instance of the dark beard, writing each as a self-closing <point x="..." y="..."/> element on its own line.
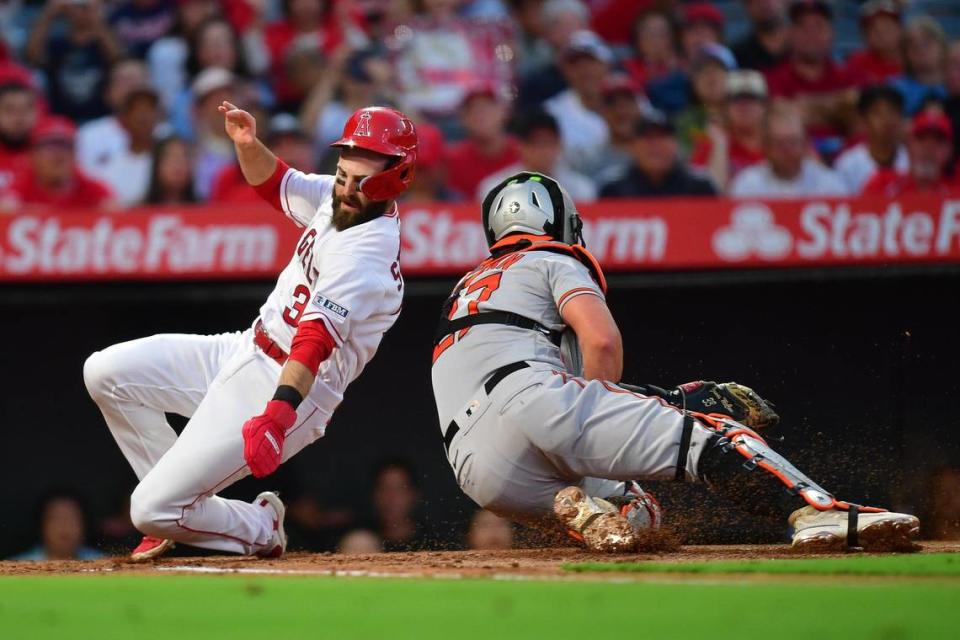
<point x="343" y="220"/>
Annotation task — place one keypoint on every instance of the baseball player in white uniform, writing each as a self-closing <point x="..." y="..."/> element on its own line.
<point x="527" y="359"/>
<point x="341" y="291"/>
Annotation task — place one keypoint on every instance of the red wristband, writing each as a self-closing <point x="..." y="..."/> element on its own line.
<point x="269" y="189"/>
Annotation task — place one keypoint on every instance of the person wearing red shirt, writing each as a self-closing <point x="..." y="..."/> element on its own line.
<point x="487" y="147"/>
<point x="929" y="146"/>
<point x="725" y="150"/>
<point x="882" y="31"/>
<point x="18" y="115"/>
<point x="824" y="90"/>
<point x="51" y="177"/>
<point x="701" y="25"/>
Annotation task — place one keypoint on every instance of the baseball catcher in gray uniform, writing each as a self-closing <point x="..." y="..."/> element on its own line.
<point x="537" y="428"/>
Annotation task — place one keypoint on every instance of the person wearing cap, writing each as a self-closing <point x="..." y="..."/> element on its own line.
<point x="213" y="150"/>
<point x="736" y="142"/>
<point x="75" y="59"/>
<point x="765" y="45"/>
<point x="657" y="171"/>
<point x="287" y="140"/>
<point x="541" y="151"/>
<point x="701" y="24"/>
<point x="925" y="64"/>
<point x="790" y="169"/>
<point x="951" y="106"/>
<point x="487" y="148"/>
<point x="541" y="78"/>
<point x="433" y="169"/>
<point x="882" y="58"/>
<point x="881" y="114"/>
<point x="825" y="90"/>
<point x="19" y="111"/>
<point x="622" y="105"/>
<point x="929" y="145"/>
<point x="585" y="64"/>
<point x="708" y="80"/>
<point x="51" y="177"/>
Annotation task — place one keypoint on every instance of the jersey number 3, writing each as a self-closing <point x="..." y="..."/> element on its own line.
<point x="291" y="314"/>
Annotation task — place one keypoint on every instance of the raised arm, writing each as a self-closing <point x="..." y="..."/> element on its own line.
<point x="256" y="161"/>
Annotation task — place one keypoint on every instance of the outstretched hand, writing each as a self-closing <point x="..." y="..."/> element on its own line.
<point x="241" y="126"/>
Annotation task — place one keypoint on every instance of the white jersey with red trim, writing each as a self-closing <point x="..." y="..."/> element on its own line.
<point x="533" y="284"/>
<point x="349" y="279"/>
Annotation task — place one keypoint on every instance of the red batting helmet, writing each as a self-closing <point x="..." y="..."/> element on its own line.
<point x="387" y="131"/>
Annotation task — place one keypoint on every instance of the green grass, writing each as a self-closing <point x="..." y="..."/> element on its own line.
<point x="298" y="608"/>
<point x="932" y="564"/>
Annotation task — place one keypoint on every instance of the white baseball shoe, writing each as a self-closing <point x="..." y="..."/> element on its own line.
<point x="150" y="548"/>
<point x="615" y="525"/>
<point x="829" y="531"/>
<point x="278" y="543"/>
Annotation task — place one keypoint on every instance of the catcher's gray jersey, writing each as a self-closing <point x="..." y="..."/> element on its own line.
<point x="540" y="428"/>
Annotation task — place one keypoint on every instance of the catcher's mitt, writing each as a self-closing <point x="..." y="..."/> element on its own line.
<point x="740" y="402"/>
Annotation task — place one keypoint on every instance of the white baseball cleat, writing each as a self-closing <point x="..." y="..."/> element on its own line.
<point x="614" y="525"/>
<point x="150" y="548"/>
<point x="278" y="543"/>
<point x="829" y="531"/>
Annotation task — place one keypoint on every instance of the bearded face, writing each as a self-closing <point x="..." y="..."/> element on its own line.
<point x="350" y="211"/>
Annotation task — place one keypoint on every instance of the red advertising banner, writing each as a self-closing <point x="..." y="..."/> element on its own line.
<point x="231" y="242"/>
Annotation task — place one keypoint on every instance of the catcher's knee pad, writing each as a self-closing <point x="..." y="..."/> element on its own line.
<point x="740" y="465"/>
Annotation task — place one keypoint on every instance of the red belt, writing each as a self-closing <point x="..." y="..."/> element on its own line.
<point x="266" y="344"/>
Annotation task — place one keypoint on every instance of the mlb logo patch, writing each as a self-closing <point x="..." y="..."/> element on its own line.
<point x="330" y="305"/>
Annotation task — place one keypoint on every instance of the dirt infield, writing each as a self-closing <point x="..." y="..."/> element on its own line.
<point x="528" y="562"/>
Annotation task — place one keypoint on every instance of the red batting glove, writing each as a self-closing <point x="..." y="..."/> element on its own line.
<point x="263" y="437"/>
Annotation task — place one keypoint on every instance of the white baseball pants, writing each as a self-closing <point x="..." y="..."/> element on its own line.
<point x="218" y="382"/>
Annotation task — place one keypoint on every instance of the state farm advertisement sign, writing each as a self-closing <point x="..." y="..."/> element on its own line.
<point x="217" y="242"/>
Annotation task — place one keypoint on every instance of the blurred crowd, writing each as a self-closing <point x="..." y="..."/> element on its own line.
<point x="114" y="103"/>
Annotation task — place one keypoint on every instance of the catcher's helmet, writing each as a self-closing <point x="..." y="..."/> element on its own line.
<point x="391" y="133"/>
<point x="531" y="203"/>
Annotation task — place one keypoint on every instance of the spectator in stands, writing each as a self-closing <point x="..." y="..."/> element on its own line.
<point x="533" y="49"/>
<point x="52" y="177"/>
<point x="657" y="66"/>
<point x="171" y="176"/>
<point x="951" y="105"/>
<point x="431" y="183"/>
<point x="214" y="45"/>
<point x="360" y="542"/>
<point x="18" y="115"/>
<point x="105" y="136"/>
<point x="824" y="90"/>
<point x="432" y="84"/>
<point x="585" y="64"/>
<point x="287" y="140"/>
<point x="540" y="82"/>
<point x="541" y="150"/>
<point x="62" y="528"/>
<point x="489" y="532"/>
<point x="737" y="142"/>
<point x="75" y="59"/>
<point x="395" y="497"/>
<point x="214" y="149"/>
<point x="925" y="62"/>
<point x="701" y="25"/>
<point x="881" y="117"/>
<point x="708" y="77"/>
<point x="929" y="145"/>
<point x="488" y="147"/>
<point x="361" y="80"/>
<point x="790" y="170"/>
<point x="657" y="170"/>
<point x="621" y="109"/>
<point x="167" y="56"/>
<point x="882" y="58"/>
<point x="304" y="23"/>
<point x="139" y="23"/>
<point x="765" y="46"/>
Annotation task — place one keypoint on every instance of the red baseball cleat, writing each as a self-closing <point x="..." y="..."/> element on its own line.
<point x="150" y="548"/>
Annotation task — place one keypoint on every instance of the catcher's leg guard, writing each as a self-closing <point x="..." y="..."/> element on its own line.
<point x="738" y="464"/>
